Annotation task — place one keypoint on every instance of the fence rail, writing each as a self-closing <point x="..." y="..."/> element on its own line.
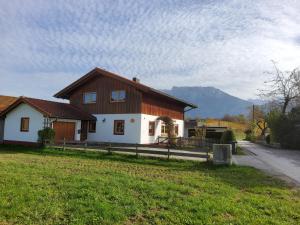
<point x="185" y="147"/>
<point x="182" y="142"/>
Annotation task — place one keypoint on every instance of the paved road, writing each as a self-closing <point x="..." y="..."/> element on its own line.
<point x="279" y="162"/>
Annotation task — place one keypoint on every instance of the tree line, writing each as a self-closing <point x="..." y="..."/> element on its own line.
<point x="278" y="121"/>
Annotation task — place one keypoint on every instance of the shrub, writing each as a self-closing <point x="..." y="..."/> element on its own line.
<point x="250" y="136"/>
<point x="284" y="128"/>
<point x="227" y="137"/>
<point x="46" y="134"/>
<point x="268" y="139"/>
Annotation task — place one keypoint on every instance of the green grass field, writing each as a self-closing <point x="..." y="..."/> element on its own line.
<point x="55" y="187"/>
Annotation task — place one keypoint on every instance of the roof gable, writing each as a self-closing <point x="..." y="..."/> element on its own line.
<point x="65" y="93"/>
<point x="6" y="101"/>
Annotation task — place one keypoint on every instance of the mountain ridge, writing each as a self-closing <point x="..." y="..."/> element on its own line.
<point x="212" y="102"/>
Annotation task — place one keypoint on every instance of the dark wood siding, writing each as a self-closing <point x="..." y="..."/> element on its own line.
<point x="157" y="106"/>
<point x="136" y="101"/>
<point x="103" y="86"/>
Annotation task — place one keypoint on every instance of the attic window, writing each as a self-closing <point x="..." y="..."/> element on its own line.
<point x="118" y="96"/>
<point x="89" y="97"/>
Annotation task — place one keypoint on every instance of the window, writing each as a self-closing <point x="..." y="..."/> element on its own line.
<point x="164" y="129"/>
<point x="119" y="127"/>
<point x="24" y="124"/>
<point x="92" y="126"/>
<point x="89" y="97"/>
<point x="176" y="129"/>
<point x="118" y="96"/>
<point x="151" y="128"/>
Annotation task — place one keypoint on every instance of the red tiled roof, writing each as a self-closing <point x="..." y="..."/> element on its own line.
<point x="6" y="101"/>
<point x="52" y="109"/>
<point x="97" y="71"/>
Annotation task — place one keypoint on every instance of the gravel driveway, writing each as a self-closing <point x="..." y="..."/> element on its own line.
<point x="284" y="164"/>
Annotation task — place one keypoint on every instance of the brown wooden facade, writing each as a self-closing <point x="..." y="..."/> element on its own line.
<point x="156" y="106"/>
<point x="103" y="86"/>
<point x="136" y="101"/>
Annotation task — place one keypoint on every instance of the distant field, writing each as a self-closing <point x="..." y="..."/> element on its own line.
<point x="238" y="128"/>
<point x="55" y="187"/>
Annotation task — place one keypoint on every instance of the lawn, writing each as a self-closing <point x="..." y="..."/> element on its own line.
<point x="56" y="187"/>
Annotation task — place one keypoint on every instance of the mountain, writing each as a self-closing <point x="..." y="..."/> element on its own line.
<point x="257" y="101"/>
<point x="211" y="101"/>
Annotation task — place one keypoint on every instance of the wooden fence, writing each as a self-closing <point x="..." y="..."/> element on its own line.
<point x="183" y="142"/>
<point x="185" y="147"/>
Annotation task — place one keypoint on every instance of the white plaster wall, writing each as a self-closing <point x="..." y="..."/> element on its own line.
<point x="105" y="128"/>
<point x="77" y="126"/>
<point x="135" y="132"/>
<point x="145" y="138"/>
<point x="13" y="123"/>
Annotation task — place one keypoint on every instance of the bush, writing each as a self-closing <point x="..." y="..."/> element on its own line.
<point x="227" y="137"/>
<point x="268" y="139"/>
<point x="284" y="128"/>
<point x="47" y="134"/>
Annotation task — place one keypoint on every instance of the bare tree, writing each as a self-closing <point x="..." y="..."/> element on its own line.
<point x="284" y="87"/>
<point x="257" y="116"/>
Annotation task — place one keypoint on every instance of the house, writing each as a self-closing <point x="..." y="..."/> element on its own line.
<point x="26" y="116"/>
<point x="5" y="101"/>
<point x="104" y="107"/>
<point x="126" y="110"/>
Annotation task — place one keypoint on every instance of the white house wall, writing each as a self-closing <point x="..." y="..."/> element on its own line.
<point x="13" y="124"/>
<point x="145" y="138"/>
<point x="136" y="128"/>
<point x="105" y="128"/>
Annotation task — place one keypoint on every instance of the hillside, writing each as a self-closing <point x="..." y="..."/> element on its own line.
<point x="211" y="101"/>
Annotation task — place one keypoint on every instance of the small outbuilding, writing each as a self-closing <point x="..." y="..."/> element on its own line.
<point x="26" y="116"/>
<point x="195" y="128"/>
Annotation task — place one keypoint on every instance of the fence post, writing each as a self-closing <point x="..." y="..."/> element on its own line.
<point x="109" y="148"/>
<point x="85" y="145"/>
<point x="168" y="152"/>
<point x="136" y="150"/>
<point x="64" y="144"/>
<point x="207" y="155"/>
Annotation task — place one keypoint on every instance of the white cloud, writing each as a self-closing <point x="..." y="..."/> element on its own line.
<point x="226" y="44"/>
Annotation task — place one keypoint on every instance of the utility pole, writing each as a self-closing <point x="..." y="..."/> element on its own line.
<point x="253" y="108"/>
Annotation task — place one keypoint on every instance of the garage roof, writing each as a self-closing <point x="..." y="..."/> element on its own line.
<point x="51" y="109"/>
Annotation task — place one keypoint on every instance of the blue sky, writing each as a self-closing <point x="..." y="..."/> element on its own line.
<point x="45" y="45"/>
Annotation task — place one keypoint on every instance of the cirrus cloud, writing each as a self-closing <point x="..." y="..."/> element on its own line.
<point x="226" y="44"/>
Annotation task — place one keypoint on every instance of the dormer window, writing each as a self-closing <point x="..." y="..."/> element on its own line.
<point x="118" y="96"/>
<point x="89" y="97"/>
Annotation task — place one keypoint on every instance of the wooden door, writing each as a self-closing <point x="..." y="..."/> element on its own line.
<point x="64" y="130"/>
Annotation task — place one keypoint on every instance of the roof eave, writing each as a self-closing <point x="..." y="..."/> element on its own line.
<point x="18" y="102"/>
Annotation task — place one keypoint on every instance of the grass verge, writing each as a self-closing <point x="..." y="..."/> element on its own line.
<point x="70" y="187"/>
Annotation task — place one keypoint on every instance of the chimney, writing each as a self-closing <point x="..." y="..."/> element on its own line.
<point x="136" y="80"/>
